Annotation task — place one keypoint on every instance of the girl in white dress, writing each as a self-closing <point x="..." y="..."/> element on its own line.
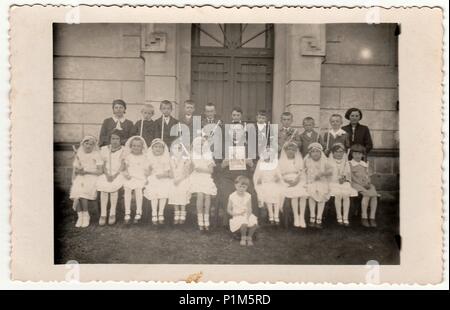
<point x="340" y="182"/>
<point x="240" y="209"/>
<point x="159" y="182"/>
<point x="109" y="183"/>
<point x="292" y="172"/>
<point x="317" y="173"/>
<point x="179" y="194"/>
<point x="135" y="173"/>
<point x="201" y="181"/>
<point x="87" y="166"/>
<point x="268" y="184"/>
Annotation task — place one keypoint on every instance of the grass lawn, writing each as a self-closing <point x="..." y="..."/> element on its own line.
<point x="147" y="244"/>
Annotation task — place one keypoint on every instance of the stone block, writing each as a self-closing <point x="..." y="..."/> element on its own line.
<point x="131" y="46"/>
<point x="86" y="68"/>
<point x="133" y="92"/>
<point x="68" y="90"/>
<point x="303" y="93"/>
<point x="380" y="120"/>
<point x="361" y="43"/>
<point x="338" y="75"/>
<point x="92" y="129"/>
<point x="385" y="99"/>
<point x="158" y="88"/>
<point x="102" y="91"/>
<point x="91" y="39"/>
<point x="330" y="97"/>
<point x="67" y="133"/>
<point x="361" y="98"/>
<point x="131" y="29"/>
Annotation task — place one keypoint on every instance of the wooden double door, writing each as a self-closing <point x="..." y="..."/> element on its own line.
<point x="232" y="74"/>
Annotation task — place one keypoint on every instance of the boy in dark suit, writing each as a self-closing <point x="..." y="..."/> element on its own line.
<point x="145" y="127"/>
<point x="166" y="127"/>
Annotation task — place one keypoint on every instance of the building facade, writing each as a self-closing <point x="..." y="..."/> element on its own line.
<point x="308" y="69"/>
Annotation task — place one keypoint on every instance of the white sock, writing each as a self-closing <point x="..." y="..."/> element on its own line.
<point x="276" y="212"/>
<point x="346" y="207"/>
<point x="80" y="219"/>
<point x="113" y="199"/>
<point x="294" y="205"/>
<point x="270" y="211"/>
<point x="127" y="197"/>
<point x="338" y="206"/>
<point x="103" y="203"/>
<point x="154" y="203"/>
<point x="200" y="220"/>
<point x="162" y="205"/>
<point x="302" y="211"/>
<point x="312" y="208"/>
<point x="320" y="207"/>
<point x="138" y="195"/>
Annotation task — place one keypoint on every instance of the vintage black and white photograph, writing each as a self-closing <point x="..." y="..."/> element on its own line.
<point x="226" y="143"/>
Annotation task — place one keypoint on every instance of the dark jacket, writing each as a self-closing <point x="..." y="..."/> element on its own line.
<point x="167" y="138"/>
<point x="107" y="128"/>
<point x="148" y="130"/>
<point x="360" y="136"/>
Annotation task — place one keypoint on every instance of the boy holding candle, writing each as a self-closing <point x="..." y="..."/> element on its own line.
<point x="145" y="127"/>
<point x="166" y="127"/>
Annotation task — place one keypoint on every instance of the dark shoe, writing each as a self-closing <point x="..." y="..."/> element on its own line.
<point x="373" y="223"/>
<point x="365" y="222"/>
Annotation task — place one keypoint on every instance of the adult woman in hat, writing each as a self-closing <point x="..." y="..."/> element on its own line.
<point x="358" y="134"/>
<point x="117" y="122"/>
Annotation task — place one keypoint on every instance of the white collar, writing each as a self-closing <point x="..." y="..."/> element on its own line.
<point x="339" y="132"/>
<point x="354" y="163"/>
<point x="309" y="133"/>
<point x="261" y="125"/>
<point x="116" y="119"/>
<point x="188" y="116"/>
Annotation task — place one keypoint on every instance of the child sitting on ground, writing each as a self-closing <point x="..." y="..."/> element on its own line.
<point x="240" y="209"/>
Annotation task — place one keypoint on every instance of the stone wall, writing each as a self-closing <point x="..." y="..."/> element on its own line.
<point x="93" y="65"/>
<point x="361" y="70"/>
<point x="96" y="63"/>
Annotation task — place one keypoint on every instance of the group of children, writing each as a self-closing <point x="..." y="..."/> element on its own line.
<point x="305" y="168"/>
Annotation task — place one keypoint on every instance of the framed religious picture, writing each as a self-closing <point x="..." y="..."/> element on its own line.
<point x="237" y="158"/>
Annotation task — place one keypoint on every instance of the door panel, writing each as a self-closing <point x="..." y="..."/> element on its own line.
<point x="253" y="86"/>
<point x="211" y="82"/>
<point x="239" y="73"/>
